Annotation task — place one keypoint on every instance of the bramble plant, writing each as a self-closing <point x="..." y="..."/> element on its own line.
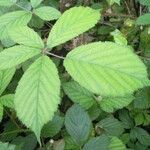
<point x="103" y="73"/>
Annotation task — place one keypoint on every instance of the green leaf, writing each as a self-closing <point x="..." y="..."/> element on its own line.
<point x="97" y="143"/>
<point x="72" y="23"/>
<point x="119" y="38"/>
<point x="26" y="36"/>
<point x="47" y="13"/>
<point x="78" y="123"/>
<point x="142" y="99"/>
<point x="7" y="3"/>
<point x="145" y="2"/>
<point x="70" y="144"/>
<point x="116" y="144"/>
<point x="1" y="112"/>
<point x="110" y="104"/>
<point x="15" y="55"/>
<point x="6" y="146"/>
<point x="7" y="100"/>
<point x="53" y="127"/>
<point x="111" y="126"/>
<point x="78" y="94"/>
<point x="126" y="120"/>
<point x="5" y="78"/>
<point x="111" y="2"/>
<point x="106" y="68"/>
<point x="142" y="135"/>
<point x="144" y="19"/>
<point x="37" y="94"/>
<point x="35" y="3"/>
<point x="28" y="142"/>
<point x="12" y="20"/>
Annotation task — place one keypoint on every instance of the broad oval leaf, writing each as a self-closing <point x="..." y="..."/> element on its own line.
<point x="12" y="20"/>
<point x="5" y="78"/>
<point x="35" y="3"/>
<point x="7" y="100"/>
<point x="78" y="124"/>
<point x="79" y="94"/>
<point x="116" y="144"/>
<point x="26" y="36"/>
<point x="72" y="23"/>
<point x="110" y="104"/>
<point x="97" y="143"/>
<point x="7" y="3"/>
<point x="144" y="19"/>
<point x="37" y="94"/>
<point x="15" y="55"/>
<point x="111" y="126"/>
<point x="47" y="13"/>
<point x="107" y="68"/>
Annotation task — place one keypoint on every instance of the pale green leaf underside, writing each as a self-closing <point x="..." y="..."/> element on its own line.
<point x="5" y="78"/>
<point x="79" y="94"/>
<point x="47" y="13"/>
<point x="36" y="100"/>
<point x="106" y="68"/>
<point x="111" y="104"/>
<point x="15" y="55"/>
<point x="26" y="36"/>
<point x="12" y="20"/>
<point x="35" y="3"/>
<point x="72" y="23"/>
<point x="7" y="2"/>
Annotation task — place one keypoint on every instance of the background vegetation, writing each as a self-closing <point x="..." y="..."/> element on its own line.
<point x="83" y="120"/>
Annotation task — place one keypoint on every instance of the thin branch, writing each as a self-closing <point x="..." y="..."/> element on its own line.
<point x="57" y="56"/>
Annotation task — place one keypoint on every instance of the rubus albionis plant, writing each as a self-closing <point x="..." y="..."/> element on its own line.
<point x="108" y="69"/>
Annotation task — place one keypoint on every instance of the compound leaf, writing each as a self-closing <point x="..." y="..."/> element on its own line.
<point x="72" y="23"/>
<point x="15" y="55"/>
<point x="106" y="68"/>
<point x="36" y="100"/>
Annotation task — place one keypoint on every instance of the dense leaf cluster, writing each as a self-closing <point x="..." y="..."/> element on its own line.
<point x="64" y="89"/>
